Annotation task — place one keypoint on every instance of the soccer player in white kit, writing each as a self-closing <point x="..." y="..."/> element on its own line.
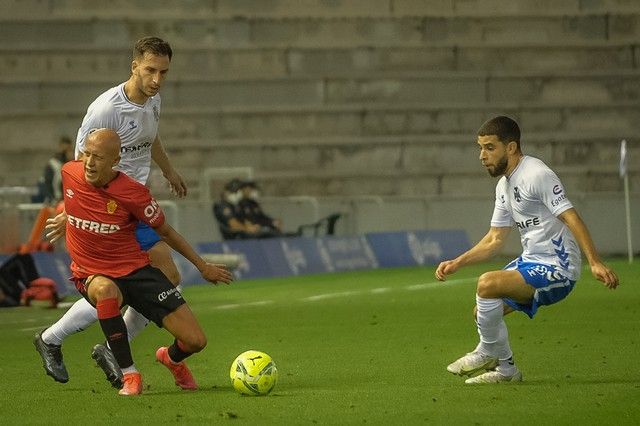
<point x="132" y="109"/>
<point x="530" y="196"/>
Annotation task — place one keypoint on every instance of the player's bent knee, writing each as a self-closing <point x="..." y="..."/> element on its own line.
<point x="103" y="290"/>
<point x="487" y="286"/>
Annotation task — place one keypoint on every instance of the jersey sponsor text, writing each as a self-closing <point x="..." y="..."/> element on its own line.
<point x="527" y="223"/>
<point x="92" y="226"/>
<point x="556" y="201"/>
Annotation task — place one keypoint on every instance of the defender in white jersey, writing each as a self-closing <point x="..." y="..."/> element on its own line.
<point x="136" y="124"/>
<point x="529" y="196"/>
<point x="132" y="109"/>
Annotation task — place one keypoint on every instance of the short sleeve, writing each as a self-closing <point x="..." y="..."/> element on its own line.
<point x="142" y="205"/>
<point x="549" y="189"/>
<point x="102" y="116"/>
<point x="501" y="217"/>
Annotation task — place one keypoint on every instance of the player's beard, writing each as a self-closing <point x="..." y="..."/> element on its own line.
<point x="501" y="167"/>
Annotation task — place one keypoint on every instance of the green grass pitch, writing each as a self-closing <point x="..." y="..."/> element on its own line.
<point x="355" y="348"/>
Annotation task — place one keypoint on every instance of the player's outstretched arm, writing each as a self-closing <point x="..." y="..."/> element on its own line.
<point x="159" y="156"/>
<point x="56" y="227"/>
<point x="600" y="271"/>
<point x="214" y="273"/>
<point x="486" y="248"/>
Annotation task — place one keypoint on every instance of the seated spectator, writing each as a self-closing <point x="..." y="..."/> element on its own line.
<point x="240" y="216"/>
<point x="232" y="222"/>
<point x="227" y="212"/>
<point x="252" y="210"/>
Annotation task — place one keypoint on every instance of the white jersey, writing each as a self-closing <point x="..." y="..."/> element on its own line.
<point x="137" y="126"/>
<point x="532" y="198"/>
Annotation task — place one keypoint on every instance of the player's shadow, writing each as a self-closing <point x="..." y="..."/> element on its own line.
<point x="161" y="391"/>
<point x="150" y="392"/>
<point x="581" y="381"/>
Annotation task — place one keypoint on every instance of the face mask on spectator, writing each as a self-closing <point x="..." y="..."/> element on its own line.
<point x="234" y="197"/>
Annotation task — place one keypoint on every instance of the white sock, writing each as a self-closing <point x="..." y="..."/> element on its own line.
<point x="79" y="316"/>
<point x="131" y="369"/>
<point x="489" y="317"/>
<point x="134" y="321"/>
<point x="502" y="345"/>
<point x="503" y="349"/>
<point x="506" y="366"/>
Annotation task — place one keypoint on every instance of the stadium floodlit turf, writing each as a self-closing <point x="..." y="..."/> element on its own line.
<point x="354" y="348"/>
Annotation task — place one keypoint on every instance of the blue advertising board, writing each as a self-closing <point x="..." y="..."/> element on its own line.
<point x="277" y="257"/>
<point x="346" y="253"/>
<point x="417" y="248"/>
<point x="303" y="255"/>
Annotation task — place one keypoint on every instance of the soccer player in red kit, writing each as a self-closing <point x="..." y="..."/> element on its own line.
<point x="109" y="268"/>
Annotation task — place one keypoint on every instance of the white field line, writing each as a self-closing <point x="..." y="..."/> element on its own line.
<point x="331" y="295"/>
<point x="40" y="327"/>
<point x="436" y="284"/>
<point x="339" y="294"/>
<point x="414" y="287"/>
<point x="325" y="296"/>
<point x="259" y="303"/>
<point x="61" y="305"/>
<point x="19" y="322"/>
<point x="241" y="305"/>
<point x="229" y="306"/>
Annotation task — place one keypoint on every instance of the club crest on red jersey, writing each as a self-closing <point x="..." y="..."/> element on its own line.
<point x="111" y="206"/>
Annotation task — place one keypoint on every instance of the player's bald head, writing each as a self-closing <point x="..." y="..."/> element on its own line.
<point x="106" y="140"/>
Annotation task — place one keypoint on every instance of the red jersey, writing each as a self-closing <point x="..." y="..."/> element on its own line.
<point x="101" y="223"/>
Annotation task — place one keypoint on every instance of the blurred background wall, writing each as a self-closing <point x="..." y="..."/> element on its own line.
<point x="364" y="107"/>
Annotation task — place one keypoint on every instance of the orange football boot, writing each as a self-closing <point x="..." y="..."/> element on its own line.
<point x="132" y="384"/>
<point x="180" y="371"/>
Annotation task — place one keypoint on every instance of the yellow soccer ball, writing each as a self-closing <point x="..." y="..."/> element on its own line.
<point x="253" y="373"/>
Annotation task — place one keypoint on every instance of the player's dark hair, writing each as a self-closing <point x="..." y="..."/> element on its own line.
<point x="153" y="45"/>
<point x="503" y="127"/>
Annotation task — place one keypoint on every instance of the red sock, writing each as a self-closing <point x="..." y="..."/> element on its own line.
<point x="115" y="330"/>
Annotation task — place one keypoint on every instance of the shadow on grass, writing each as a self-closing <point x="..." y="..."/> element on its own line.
<point x="569" y="381"/>
<point x="227" y="390"/>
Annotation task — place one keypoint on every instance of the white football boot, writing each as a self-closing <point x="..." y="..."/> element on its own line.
<point x="472" y="363"/>
<point x="495" y="377"/>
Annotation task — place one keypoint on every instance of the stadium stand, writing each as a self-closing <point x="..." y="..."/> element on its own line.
<point x="340" y="98"/>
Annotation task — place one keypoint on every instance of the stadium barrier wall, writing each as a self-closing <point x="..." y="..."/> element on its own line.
<point x="604" y="214"/>
<point x="280" y="257"/>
